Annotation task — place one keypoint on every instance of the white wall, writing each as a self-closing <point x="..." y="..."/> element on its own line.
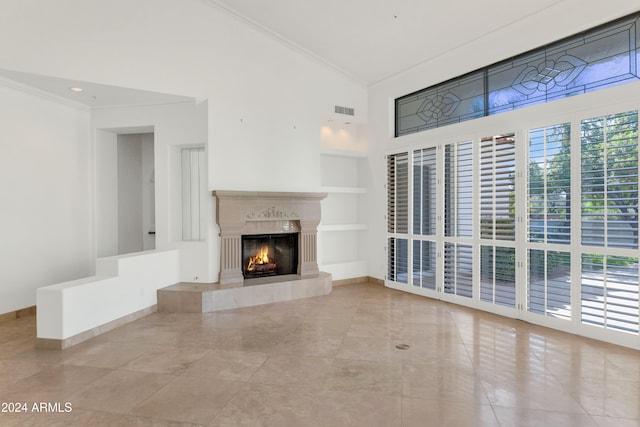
<point x="265" y="100"/>
<point x="174" y="125"/>
<point x="148" y="192"/>
<point x="106" y="200"/>
<point x="261" y="93"/>
<point x="46" y="191"/>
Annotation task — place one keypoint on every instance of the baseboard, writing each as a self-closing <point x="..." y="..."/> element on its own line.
<point x="358" y="280"/>
<point x="54" y="344"/>
<point x="375" y="281"/>
<point x="23" y="312"/>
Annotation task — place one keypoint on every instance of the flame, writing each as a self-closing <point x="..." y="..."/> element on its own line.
<point x="261" y="258"/>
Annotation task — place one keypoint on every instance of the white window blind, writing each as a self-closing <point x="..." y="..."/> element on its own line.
<point x="609" y="168"/>
<point x="610" y="292"/>
<point x="549" y="283"/>
<point x="497" y="187"/>
<point x="398" y="260"/>
<point x="398" y="193"/>
<point x="424" y="191"/>
<point x="424" y="264"/>
<point x="194" y="191"/>
<point x="398" y="216"/>
<point x="458" y="189"/>
<point x="458" y="269"/>
<point x="497" y="275"/>
<point x="549" y="184"/>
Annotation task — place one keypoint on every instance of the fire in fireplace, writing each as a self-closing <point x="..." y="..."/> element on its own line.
<point x="269" y="255"/>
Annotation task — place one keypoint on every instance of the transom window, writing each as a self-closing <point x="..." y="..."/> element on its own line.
<point x="605" y="56"/>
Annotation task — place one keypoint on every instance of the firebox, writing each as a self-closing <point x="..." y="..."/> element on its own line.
<point x="269" y="255"/>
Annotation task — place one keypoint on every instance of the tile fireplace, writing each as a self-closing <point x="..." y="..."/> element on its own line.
<point x="267" y="234"/>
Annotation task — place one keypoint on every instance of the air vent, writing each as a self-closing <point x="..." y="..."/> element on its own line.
<point x="345" y="110"/>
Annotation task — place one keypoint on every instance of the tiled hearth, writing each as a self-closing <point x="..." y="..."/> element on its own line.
<point x="207" y="298"/>
<point x="242" y="213"/>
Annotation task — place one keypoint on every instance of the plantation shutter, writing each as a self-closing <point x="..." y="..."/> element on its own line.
<point x="398" y="193"/>
<point x="458" y="189"/>
<point x="424" y="192"/>
<point x="497" y="187"/>
<point x="609" y="156"/>
<point x="610" y="292"/>
<point x="458" y="269"/>
<point x="549" y="185"/>
<point x="549" y="283"/>
<point x="398" y="216"/>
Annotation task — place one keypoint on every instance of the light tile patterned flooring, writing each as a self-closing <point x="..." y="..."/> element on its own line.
<point x="324" y="361"/>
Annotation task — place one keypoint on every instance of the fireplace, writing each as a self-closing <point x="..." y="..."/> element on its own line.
<point x="286" y="222"/>
<point x="269" y="255"/>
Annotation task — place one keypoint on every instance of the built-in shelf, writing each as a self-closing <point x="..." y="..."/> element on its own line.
<point x="342" y="241"/>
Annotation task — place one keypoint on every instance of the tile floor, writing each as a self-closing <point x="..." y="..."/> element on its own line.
<point x="323" y="361"/>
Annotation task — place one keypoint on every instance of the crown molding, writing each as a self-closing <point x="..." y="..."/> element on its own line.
<point x="12" y="84"/>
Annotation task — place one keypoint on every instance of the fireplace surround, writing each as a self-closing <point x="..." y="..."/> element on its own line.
<point x="250" y="214"/>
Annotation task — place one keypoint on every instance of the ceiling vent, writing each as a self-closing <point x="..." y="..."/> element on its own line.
<point x="345" y="110"/>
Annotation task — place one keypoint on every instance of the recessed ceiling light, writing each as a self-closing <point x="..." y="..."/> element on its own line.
<point x="76" y="89"/>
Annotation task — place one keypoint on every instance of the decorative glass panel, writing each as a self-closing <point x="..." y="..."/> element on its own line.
<point x="605" y="56"/>
<point x="450" y="102"/>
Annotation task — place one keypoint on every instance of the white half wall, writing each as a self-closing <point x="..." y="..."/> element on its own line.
<point x="123" y="285"/>
<point x="46" y="189"/>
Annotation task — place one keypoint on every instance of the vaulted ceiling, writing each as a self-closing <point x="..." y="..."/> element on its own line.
<point x="372" y="40"/>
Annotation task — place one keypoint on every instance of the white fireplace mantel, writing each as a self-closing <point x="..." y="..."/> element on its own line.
<point x="251" y="212"/>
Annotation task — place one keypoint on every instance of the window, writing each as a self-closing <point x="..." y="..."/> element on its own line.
<point x="497" y="275"/>
<point x="458" y="189"/>
<point x="458" y="269"/>
<point x="549" y="184"/>
<point x="424" y="192"/>
<point x="398" y="216"/>
<point x="451" y="102"/>
<point x="549" y="283"/>
<point x="609" y="155"/>
<point x="424" y="264"/>
<point x="599" y="58"/>
<point x="194" y="191"/>
<point x="398" y="193"/>
<point x="610" y="292"/>
<point x="492" y="219"/>
<point x="497" y="187"/>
